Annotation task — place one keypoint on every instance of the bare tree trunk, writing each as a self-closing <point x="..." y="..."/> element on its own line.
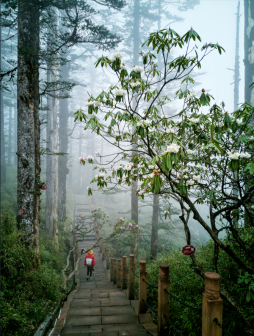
<point x="155" y="220"/>
<point x="28" y="192"/>
<point x="70" y="155"/>
<point x="237" y="62"/>
<point x="63" y="148"/>
<point x="15" y="135"/>
<point x="79" y="167"/>
<point x="134" y="186"/>
<point x="249" y="49"/>
<point x="9" y="136"/>
<point x="156" y="199"/>
<point x="2" y="156"/>
<point x="236" y="89"/>
<point x="52" y="159"/>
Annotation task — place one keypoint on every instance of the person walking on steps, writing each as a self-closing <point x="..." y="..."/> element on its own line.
<point x="89" y="263"/>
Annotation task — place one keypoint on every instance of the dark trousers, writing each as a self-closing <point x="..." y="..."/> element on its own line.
<point x="89" y="270"/>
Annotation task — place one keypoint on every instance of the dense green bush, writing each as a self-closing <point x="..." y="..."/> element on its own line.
<point x="9" y="190"/>
<point x="27" y="294"/>
<point x="188" y="287"/>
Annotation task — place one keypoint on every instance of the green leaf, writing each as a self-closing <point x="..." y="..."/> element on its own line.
<point x="234" y="126"/>
<point x="212" y="131"/>
<point x="188" y="80"/>
<point x="248" y="296"/>
<point x="204" y="99"/>
<point x="210" y="195"/>
<point x="234" y="164"/>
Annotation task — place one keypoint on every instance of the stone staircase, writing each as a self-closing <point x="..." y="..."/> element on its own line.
<point x="97" y="308"/>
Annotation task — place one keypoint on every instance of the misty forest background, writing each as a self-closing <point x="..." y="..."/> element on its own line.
<point x="68" y="36"/>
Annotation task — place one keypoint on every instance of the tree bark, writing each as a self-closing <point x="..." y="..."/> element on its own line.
<point x="249" y="49"/>
<point x="15" y="135"/>
<point x="63" y="148"/>
<point x="156" y="199"/>
<point x="28" y="191"/>
<point x="236" y="88"/>
<point x="70" y="152"/>
<point x="237" y="63"/>
<point x="154" y="235"/>
<point x="2" y="156"/>
<point x="134" y="186"/>
<point x="79" y="167"/>
<point x="9" y="136"/>
<point x="52" y="158"/>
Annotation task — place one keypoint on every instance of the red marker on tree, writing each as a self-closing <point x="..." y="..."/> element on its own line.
<point x="188" y="250"/>
<point x="21" y="212"/>
<point x="44" y="187"/>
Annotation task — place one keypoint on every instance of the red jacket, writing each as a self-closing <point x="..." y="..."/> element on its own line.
<point x="91" y="256"/>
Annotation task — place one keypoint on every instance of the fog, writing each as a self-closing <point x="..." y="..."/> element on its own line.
<point x="215" y="21"/>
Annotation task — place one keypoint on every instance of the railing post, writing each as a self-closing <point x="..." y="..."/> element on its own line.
<point x="100" y="244"/>
<point x="114" y="271"/>
<point x="212" y="305"/>
<point x="163" y="299"/>
<point x="131" y="292"/>
<point x="107" y="260"/>
<point x="76" y="251"/>
<point x="76" y="248"/>
<point x="142" y="287"/>
<point x="124" y="272"/>
<point x="118" y="282"/>
<point x="112" y="265"/>
<point x="103" y="250"/>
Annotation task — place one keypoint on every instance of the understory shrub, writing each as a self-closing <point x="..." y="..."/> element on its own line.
<point x="186" y="285"/>
<point x="28" y="294"/>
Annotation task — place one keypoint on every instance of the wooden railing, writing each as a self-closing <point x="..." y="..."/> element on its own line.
<point x="124" y="278"/>
<point x="211" y="302"/>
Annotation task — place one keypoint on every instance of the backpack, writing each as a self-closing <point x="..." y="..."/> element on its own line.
<point x="89" y="261"/>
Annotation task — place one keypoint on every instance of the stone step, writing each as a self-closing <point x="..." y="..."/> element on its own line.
<point x="101" y="311"/>
<point x="110" y="333"/>
<point x="121" y="329"/>
<point x="96" y="320"/>
<point x="98" y="303"/>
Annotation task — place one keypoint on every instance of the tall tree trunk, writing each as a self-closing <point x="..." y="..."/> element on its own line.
<point x="156" y="199"/>
<point x="79" y="167"/>
<point x="15" y="135"/>
<point x="154" y="235"/>
<point x="236" y="89"/>
<point x="63" y="148"/>
<point x="52" y="158"/>
<point x="134" y="186"/>
<point x="28" y="192"/>
<point x="249" y="49"/>
<point x="70" y="153"/>
<point x="2" y="149"/>
<point x="9" y="136"/>
<point x="237" y="62"/>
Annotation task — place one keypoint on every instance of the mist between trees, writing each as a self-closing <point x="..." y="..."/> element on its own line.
<point x="107" y="100"/>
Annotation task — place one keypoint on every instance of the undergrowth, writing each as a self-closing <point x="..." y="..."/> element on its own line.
<point x="188" y="286"/>
<point x="28" y="294"/>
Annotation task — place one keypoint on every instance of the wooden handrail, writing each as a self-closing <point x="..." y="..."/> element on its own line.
<point x="131" y="292"/>
<point x="118" y="274"/>
<point x="212" y="305"/>
<point x="142" y="287"/>
<point x="163" y="299"/>
<point x="124" y="272"/>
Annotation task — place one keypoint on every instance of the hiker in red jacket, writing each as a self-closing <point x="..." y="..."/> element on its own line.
<point x="89" y="263"/>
